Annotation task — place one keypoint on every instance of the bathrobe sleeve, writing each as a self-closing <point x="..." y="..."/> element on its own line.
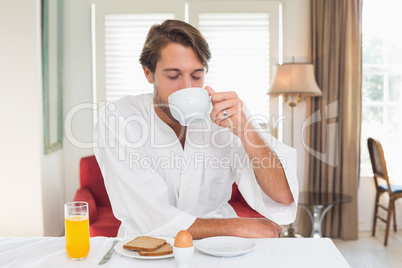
<point x="252" y="192"/>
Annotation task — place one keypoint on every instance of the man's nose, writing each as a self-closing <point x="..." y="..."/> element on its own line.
<point x="186" y="83"/>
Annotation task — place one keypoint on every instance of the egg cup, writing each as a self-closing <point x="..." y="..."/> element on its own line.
<point x="183" y="256"/>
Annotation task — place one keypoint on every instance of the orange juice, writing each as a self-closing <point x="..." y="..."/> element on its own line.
<point x="77" y="236"/>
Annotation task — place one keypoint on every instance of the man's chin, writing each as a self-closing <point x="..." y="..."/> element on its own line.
<point x="162" y="104"/>
<point x="169" y="114"/>
<point x="166" y="110"/>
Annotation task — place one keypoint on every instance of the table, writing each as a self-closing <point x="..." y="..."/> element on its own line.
<point x="320" y="203"/>
<point x="269" y="252"/>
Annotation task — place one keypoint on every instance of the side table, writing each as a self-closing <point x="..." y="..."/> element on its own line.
<point x="317" y="205"/>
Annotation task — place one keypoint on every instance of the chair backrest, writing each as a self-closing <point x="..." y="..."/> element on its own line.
<point x="236" y="195"/>
<point x="91" y="178"/>
<point x="377" y="159"/>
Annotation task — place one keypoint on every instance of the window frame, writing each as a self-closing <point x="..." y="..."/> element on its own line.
<point x="272" y="7"/>
<point x="386" y="70"/>
<point x="104" y="7"/>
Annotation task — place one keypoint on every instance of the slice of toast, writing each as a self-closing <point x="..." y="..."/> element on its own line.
<point x="164" y="250"/>
<point x="145" y="243"/>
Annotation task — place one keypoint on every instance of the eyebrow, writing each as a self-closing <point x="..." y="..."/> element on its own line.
<point x="198" y="70"/>
<point x="171" y="69"/>
<point x="178" y="70"/>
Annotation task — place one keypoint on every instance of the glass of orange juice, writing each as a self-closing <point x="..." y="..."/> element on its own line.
<point x="76" y="230"/>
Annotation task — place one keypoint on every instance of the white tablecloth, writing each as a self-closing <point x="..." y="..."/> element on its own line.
<point x="281" y="252"/>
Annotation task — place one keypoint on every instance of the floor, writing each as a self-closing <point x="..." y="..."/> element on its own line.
<point x="369" y="252"/>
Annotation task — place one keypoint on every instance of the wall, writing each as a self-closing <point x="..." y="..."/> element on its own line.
<point x="77" y="90"/>
<point x="52" y="193"/>
<point x="31" y="183"/>
<point x="35" y="186"/>
<point x="20" y="135"/>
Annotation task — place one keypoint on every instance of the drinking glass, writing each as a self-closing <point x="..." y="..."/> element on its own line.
<point x="76" y="230"/>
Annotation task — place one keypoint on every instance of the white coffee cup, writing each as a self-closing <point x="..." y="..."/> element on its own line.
<point x="190" y="105"/>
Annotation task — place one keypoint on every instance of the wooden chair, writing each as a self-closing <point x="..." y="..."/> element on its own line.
<point x="381" y="175"/>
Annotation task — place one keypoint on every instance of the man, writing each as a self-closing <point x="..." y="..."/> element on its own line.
<point x="163" y="177"/>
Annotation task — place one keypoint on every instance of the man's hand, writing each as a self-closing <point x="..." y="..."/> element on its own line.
<point x="227" y="111"/>
<point x="242" y="227"/>
<point x="261" y="227"/>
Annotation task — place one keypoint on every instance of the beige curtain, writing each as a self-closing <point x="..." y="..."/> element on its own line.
<point x="334" y="156"/>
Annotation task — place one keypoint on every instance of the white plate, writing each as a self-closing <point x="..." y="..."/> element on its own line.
<point x="225" y="246"/>
<point x="135" y="254"/>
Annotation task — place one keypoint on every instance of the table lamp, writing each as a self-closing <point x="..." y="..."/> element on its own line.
<point x="294" y="80"/>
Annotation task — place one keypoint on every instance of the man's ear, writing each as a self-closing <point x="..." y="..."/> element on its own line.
<point x="148" y="75"/>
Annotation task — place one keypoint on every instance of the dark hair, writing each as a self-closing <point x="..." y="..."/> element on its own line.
<point x="173" y="31"/>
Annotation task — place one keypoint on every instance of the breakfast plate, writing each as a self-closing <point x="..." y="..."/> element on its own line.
<point x="225" y="246"/>
<point x="135" y="254"/>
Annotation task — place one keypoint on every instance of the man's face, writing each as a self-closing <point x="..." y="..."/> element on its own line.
<point x="178" y="68"/>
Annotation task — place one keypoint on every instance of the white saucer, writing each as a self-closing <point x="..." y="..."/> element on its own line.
<point x="225" y="246"/>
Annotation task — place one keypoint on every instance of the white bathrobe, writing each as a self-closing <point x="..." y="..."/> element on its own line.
<point x="158" y="188"/>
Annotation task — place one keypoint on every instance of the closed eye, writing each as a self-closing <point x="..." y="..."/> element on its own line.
<point x="197" y="74"/>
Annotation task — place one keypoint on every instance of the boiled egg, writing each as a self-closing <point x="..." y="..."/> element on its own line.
<point x="183" y="240"/>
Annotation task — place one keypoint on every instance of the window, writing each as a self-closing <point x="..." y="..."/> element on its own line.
<point x="124" y="39"/>
<point x="382" y="82"/>
<point x="239" y="45"/>
<point x="119" y="30"/>
<point x="243" y="37"/>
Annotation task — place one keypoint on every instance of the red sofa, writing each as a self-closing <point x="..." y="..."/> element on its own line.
<point x="102" y="221"/>
<point x="240" y="205"/>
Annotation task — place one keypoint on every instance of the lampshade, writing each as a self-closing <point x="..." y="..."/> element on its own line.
<point x="295" y="79"/>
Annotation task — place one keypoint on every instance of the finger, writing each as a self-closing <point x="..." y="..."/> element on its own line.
<point x="277" y="227"/>
<point x="229" y="113"/>
<point x="275" y="231"/>
<point x="277" y="234"/>
<point x="210" y="90"/>
<point x="224" y="122"/>
<point x="229" y="123"/>
<point x="231" y="104"/>
<point x="221" y="96"/>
